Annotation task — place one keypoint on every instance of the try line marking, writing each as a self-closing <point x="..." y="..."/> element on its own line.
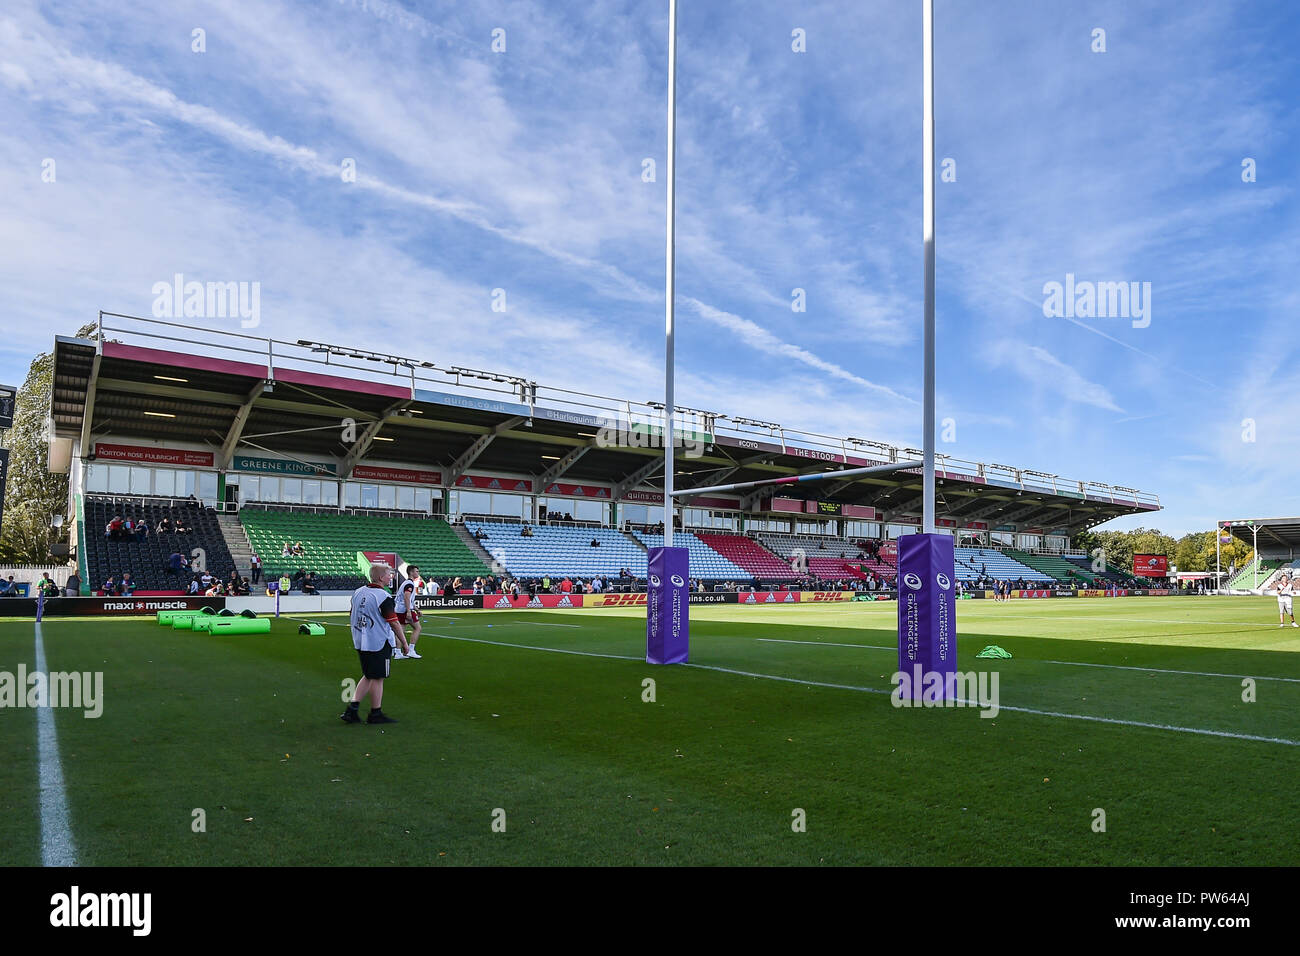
<point x="57" y="847"/>
<point x="878" y="690"/>
<point x="1118" y="667"/>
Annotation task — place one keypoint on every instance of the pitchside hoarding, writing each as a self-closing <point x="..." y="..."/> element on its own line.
<point x="111" y="606"/>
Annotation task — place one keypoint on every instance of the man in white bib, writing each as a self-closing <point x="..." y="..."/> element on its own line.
<point x="1285" y="590"/>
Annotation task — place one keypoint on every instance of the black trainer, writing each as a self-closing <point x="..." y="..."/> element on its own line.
<point x="380" y="718"/>
<point x="350" y="716"/>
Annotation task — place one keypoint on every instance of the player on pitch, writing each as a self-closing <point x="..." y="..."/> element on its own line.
<point x="404" y="603"/>
<point x="374" y="624"/>
<point x="1285" y="589"/>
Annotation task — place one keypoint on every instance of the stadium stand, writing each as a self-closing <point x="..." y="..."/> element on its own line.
<point x="882" y="565"/>
<point x="332" y="542"/>
<point x="1245" y="578"/>
<point x="1111" y="577"/>
<point x="557" y="550"/>
<point x="705" y="563"/>
<point x="830" y="559"/>
<point x="747" y="553"/>
<point x="1055" y="566"/>
<point x="972" y="562"/>
<point x="146" y="558"/>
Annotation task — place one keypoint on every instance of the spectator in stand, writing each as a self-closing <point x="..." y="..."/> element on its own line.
<point x="206" y="579"/>
<point x="526" y="532"/>
<point x="8" y="588"/>
<point x="195" y="587"/>
<point x="110" y="587"/>
<point x="287" y="551"/>
<point x="128" y="584"/>
<point x="286" y="585"/>
<point x="165" y="525"/>
<point x="113" y="530"/>
<point x="546" y="584"/>
<point x="215" y="590"/>
<point x="309" y="584"/>
<point x="298" y="577"/>
<point x="142" y="528"/>
<point x="181" y="527"/>
<point x="595" y="542"/>
<point x="256" y="564"/>
<point x="73" y="587"/>
<point x="233" y="584"/>
<point x="298" y="549"/>
<point x="243" y="588"/>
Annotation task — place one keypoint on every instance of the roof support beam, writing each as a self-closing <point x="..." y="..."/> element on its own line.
<point x="88" y="411"/>
<point x="477" y="447"/>
<point x="560" y="467"/>
<point x="367" y="438"/>
<point x="635" y="478"/>
<point x="236" y="430"/>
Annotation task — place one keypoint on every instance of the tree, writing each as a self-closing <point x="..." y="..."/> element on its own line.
<point x="32" y="494"/>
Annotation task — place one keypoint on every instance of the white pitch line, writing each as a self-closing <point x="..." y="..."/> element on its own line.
<point x="873" y="647"/>
<point x="57" y="846"/>
<point x="531" y="647"/>
<point x="1161" y="670"/>
<point x="1122" y="667"/>
<point x="1148" y="620"/>
<point x="877" y="690"/>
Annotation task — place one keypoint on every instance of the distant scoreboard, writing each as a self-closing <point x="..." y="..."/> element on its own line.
<point x="1150" y="565"/>
<point x="8" y="397"/>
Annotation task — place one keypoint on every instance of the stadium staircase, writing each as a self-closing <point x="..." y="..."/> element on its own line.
<point x="332" y="542"/>
<point x="146" y="558"/>
<point x="241" y="549"/>
<point x="468" y="539"/>
<point x="1244" y="580"/>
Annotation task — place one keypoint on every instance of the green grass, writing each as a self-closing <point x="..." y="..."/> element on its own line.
<point x="587" y="773"/>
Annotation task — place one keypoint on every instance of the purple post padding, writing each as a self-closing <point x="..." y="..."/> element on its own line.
<point x="927" y="610"/>
<point x="40" y="604"/>
<point x="667" y="615"/>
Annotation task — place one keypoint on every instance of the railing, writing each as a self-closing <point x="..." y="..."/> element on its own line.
<point x="332" y="510"/>
<point x="174" y="501"/>
<point x="521" y="396"/>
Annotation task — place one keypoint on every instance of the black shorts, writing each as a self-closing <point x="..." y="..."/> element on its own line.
<point x="376" y="664"/>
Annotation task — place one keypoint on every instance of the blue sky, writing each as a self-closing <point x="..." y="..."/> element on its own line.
<point x="522" y="170"/>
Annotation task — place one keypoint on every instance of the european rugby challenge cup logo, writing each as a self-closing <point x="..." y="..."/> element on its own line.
<point x="912" y="581"/>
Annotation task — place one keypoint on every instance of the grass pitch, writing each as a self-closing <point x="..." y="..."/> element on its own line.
<point x="495" y="718"/>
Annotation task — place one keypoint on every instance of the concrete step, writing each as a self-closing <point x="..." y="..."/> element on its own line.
<point x="471" y="542"/>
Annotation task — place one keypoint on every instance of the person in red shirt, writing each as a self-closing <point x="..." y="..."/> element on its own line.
<point x="566" y="586"/>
